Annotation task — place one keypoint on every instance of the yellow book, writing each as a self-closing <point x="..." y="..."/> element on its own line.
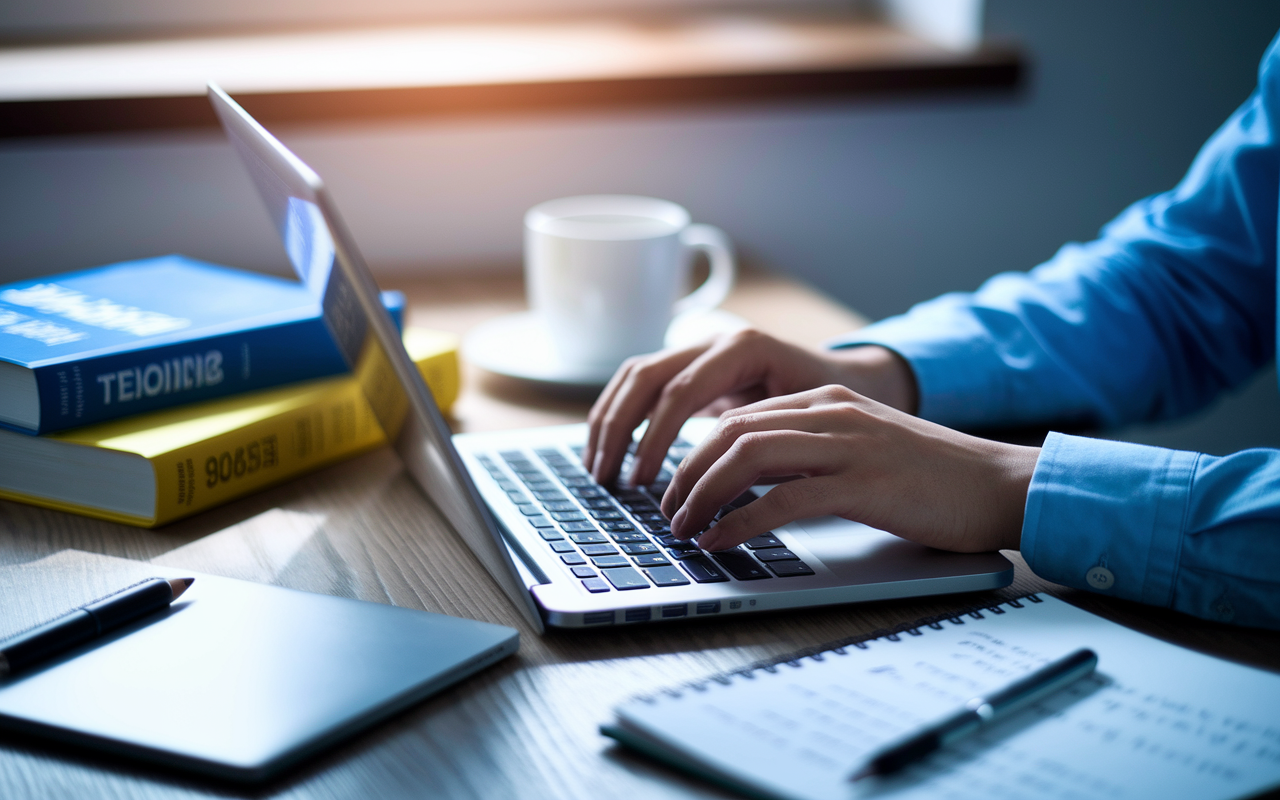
<point x="154" y="468"/>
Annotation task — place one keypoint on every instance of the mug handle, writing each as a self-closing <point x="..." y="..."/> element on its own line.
<point x="712" y="241"/>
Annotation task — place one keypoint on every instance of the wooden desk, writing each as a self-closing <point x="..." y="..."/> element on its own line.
<point x="527" y="727"/>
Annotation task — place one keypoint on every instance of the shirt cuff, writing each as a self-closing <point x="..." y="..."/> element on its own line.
<point x="1108" y="516"/>
<point x="957" y="371"/>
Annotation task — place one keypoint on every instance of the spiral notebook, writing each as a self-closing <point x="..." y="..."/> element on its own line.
<point x="1155" y="720"/>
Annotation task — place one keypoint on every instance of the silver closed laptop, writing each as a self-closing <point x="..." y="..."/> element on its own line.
<point x="566" y="551"/>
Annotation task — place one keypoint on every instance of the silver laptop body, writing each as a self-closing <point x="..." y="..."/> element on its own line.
<point x="567" y="552"/>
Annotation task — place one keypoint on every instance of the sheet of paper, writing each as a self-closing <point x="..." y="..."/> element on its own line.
<point x="1154" y="721"/>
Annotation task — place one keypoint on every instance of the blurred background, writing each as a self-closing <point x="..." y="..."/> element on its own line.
<point x="881" y="201"/>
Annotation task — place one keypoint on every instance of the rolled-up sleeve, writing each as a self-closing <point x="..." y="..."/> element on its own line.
<point x="1174" y="303"/>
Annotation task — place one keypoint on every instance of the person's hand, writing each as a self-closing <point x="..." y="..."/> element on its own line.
<point x="855" y="458"/>
<point x="731" y="370"/>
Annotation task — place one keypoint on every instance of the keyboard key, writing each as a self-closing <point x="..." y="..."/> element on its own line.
<point x="587" y="491"/>
<point x="681" y="546"/>
<point x="790" y="569"/>
<point x="617" y="527"/>
<point x="681" y="555"/>
<point x="563" y="547"/>
<point x="607" y="514"/>
<point x="594" y="537"/>
<point x="666" y="539"/>
<point x="561" y="505"/>
<point x="599" y="502"/>
<point x="580" y="526"/>
<point x="657" y="528"/>
<point x="702" y="570"/>
<point x="651" y="516"/>
<point x="776" y="554"/>
<point x="568" y="516"/>
<point x="550" y="534"/>
<point x="594" y="585"/>
<point x="639" y="549"/>
<point x="741" y="565"/>
<point x="763" y="541"/>
<point x="512" y="455"/>
<point x="624" y="578"/>
<point x="599" y="549"/>
<point x="584" y="572"/>
<point x="654" y="560"/>
<point x="666" y="576"/>
<point x="573" y="560"/>
<point x="634" y="536"/>
<point x="550" y="496"/>
<point x="610" y="562"/>
<point x="540" y="522"/>
<point x="529" y="509"/>
<point x="579" y="480"/>
<point x="633" y="496"/>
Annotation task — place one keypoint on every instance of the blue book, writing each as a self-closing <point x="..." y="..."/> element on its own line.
<point x="89" y="346"/>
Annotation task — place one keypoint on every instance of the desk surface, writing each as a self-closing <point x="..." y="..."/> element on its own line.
<point x="526" y="728"/>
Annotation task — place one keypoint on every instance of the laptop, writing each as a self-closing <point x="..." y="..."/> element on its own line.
<point x="567" y="552"/>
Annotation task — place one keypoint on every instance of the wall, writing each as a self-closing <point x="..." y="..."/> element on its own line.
<point x="880" y="203"/>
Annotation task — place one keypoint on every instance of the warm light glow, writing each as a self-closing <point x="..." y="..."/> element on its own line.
<point x="449" y="55"/>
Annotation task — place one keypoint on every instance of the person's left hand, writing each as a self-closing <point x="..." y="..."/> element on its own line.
<point x="855" y="458"/>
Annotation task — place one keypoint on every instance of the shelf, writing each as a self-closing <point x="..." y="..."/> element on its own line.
<point x="469" y="69"/>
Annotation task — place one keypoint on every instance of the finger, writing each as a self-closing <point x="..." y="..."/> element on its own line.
<point x="630" y="404"/>
<point x="787" y="502"/>
<point x="751" y="457"/>
<point x="739" y="423"/>
<point x="731" y="364"/>
<point x="598" y="409"/>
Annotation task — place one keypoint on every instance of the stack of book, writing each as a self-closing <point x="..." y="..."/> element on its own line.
<point x="146" y="391"/>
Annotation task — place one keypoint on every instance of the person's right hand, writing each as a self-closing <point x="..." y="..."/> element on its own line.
<point x="726" y="372"/>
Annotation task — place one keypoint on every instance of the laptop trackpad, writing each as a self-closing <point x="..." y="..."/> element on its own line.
<point x="862" y="554"/>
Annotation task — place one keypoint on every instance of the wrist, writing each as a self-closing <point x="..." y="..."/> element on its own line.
<point x="878" y="373"/>
<point x="1015" y="467"/>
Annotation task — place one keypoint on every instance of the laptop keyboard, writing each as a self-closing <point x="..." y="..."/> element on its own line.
<point x="616" y="539"/>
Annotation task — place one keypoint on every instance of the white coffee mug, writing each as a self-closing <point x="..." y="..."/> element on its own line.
<point x="605" y="273"/>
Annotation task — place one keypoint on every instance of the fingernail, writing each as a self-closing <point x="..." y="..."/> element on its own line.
<point x="676" y="523"/>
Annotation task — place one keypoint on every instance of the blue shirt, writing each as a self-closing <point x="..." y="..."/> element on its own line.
<point x="1174" y="303"/>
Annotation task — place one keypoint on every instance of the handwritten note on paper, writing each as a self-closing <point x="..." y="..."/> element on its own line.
<point x="1154" y="721"/>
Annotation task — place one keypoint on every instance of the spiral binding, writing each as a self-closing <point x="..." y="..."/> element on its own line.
<point x="795" y="660"/>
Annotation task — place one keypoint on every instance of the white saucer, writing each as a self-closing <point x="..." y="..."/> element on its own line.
<point x="518" y="346"/>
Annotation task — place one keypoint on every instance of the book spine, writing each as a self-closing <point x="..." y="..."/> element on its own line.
<point x="78" y="393"/>
<point x="336" y="424"/>
<point x="92" y="390"/>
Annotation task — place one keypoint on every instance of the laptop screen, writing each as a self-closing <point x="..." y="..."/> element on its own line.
<point x="327" y="261"/>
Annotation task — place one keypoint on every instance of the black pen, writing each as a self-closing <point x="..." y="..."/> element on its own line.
<point x="88" y="622"/>
<point x="978" y="712"/>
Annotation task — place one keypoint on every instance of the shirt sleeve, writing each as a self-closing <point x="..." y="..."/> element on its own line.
<point x="1197" y="533"/>
<point x="1174" y="303"/>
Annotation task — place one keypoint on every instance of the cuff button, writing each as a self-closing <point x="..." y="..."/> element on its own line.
<point x="1100" y="578"/>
